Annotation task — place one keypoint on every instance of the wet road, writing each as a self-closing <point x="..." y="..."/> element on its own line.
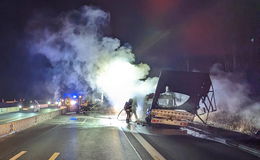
<point x="9" y="117"/>
<point x="73" y="137"/>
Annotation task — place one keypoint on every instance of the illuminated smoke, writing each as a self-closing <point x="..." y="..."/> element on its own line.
<point x="236" y="110"/>
<point x="83" y="58"/>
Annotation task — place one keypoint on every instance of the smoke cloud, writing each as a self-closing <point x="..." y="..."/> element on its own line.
<point x="84" y="59"/>
<point x="236" y="110"/>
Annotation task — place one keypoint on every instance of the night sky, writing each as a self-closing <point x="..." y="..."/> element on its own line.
<point x="162" y="33"/>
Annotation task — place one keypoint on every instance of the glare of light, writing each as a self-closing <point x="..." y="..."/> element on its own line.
<point x="49" y="102"/>
<point x="31" y="106"/>
<point x="119" y="80"/>
<point x="20" y="106"/>
<point x="59" y="103"/>
<point x="56" y="103"/>
<point x="73" y="102"/>
<point x="74" y="96"/>
<point x="80" y="96"/>
<point x="62" y="100"/>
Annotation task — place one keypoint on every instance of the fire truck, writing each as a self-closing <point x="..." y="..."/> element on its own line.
<point x="179" y="97"/>
<point x="72" y="103"/>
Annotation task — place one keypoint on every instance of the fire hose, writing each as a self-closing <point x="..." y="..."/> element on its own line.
<point x="140" y="123"/>
<point x="120" y="113"/>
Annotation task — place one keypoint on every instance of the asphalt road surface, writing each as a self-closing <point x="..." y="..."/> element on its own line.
<point x="78" y="137"/>
<point x="14" y="116"/>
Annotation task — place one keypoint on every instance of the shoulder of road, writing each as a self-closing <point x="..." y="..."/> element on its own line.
<point x="248" y="143"/>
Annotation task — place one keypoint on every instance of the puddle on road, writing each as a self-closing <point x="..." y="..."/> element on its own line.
<point x="94" y="121"/>
<point x="204" y="135"/>
<point x="171" y="132"/>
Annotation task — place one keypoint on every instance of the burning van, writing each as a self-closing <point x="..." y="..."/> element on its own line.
<point x="179" y="96"/>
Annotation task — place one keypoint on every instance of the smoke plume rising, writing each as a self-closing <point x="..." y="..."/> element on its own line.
<point x="84" y="59"/>
<point x="236" y="110"/>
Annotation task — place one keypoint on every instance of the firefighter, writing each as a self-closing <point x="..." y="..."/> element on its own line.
<point x="128" y="109"/>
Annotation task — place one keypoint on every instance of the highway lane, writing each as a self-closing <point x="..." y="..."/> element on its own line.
<point x="186" y="144"/>
<point x="9" y="117"/>
<point x="188" y="147"/>
<point x="70" y="137"/>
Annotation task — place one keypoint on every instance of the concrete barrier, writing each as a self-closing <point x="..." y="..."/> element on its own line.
<point x="22" y="124"/>
<point x="5" y="129"/>
<point x="43" y="105"/>
<point x="9" y="109"/>
<point x="16" y="109"/>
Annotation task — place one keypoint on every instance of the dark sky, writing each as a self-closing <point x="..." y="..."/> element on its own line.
<point x="163" y="33"/>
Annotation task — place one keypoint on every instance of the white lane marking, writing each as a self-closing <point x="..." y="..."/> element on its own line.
<point x="84" y="121"/>
<point x="149" y="148"/>
<point x="18" y="155"/>
<point x="205" y="135"/>
<point x="138" y="155"/>
<point x="54" y="156"/>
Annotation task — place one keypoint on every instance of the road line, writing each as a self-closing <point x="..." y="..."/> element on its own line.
<point x="149" y="148"/>
<point x="138" y="155"/>
<point x="84" y="121"/>
<point x="18" y="155"/>
<point x="225" y="142"/>
<point x="54" y="156"/>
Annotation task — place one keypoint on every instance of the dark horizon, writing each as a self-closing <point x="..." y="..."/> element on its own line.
<point x="163" y="34"/>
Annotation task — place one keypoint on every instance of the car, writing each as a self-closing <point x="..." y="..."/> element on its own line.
<point x="29" y="105"/>
<point x="55" y="103"/>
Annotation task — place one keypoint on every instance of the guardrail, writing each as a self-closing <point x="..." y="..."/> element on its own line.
<point x="16" y="126"/>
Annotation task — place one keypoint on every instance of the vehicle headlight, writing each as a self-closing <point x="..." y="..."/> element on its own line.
<point x="49" y="102"/>
<point x="20" y="106"/>
<point x="73" y="102"/>
<point x="32" y="106"/>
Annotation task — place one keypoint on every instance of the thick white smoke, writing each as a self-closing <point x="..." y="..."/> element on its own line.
<point x="82" y="57"/>
<point x="236" y="110"/>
